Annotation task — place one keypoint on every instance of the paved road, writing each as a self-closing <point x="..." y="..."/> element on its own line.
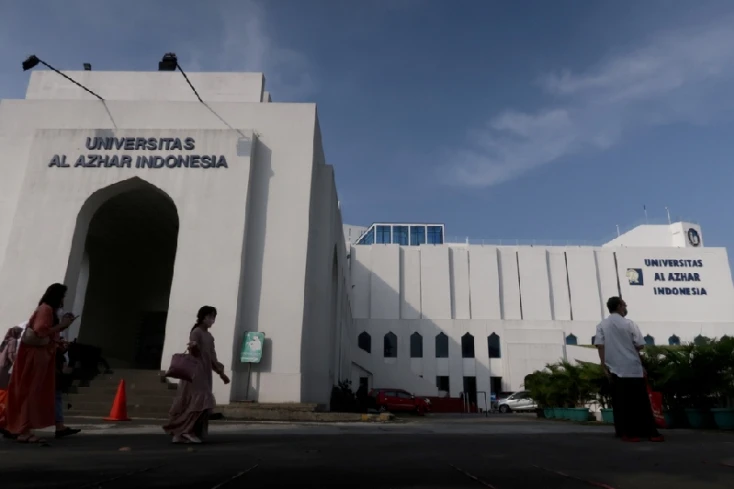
<point x="501" y="452"/>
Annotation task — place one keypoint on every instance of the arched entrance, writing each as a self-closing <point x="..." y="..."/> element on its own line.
<point x="123" y="280"/>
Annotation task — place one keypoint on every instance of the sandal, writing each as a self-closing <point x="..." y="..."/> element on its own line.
<point x="32" y="439"/>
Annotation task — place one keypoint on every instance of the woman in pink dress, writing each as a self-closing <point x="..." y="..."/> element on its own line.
<point x="189" y="416"/>
<point x="32" y="386"/>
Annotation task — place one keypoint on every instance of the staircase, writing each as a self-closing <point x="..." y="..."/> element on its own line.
<point x="149" y="394"/>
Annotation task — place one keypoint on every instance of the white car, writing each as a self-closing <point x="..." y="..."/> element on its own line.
<point x="517" y="401"/>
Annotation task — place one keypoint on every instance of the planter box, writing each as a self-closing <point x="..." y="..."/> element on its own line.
<point x="698" y="418"/>
<point x="607" y="416"/>
<point x="723" y="418"/>
<point x="577" y="414"/>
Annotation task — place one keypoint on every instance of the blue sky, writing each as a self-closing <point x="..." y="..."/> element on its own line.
<point x="514" y="120"/>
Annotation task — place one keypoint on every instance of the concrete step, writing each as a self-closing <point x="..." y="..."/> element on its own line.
<point x="103" y="408"/>
<point x="94" y="388"/>
<point x="274" y="406"/>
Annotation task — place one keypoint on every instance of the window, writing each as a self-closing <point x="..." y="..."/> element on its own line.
<point x="382" y="234"/>
<point x="364" y="341"/>
<point x="417" y="235"/>
<point x="467" y="346"/>
<point x="404" y="395"/>
<point x="391" y="345"/>
<point x="442" y="346"/>
<point x="442" y="383"/>
<point x="674" y="340"/>
<point x="435" y="235"/>
<point x="649" y="340"/>
<point x="416" y="346"/>
<point x="572" y="340"/>
<point x="368" y="238"/>
<point x="493" y="345"/>
<point x="400" y="235"/>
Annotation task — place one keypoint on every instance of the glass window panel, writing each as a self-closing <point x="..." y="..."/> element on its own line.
<point x="417" y="235"/>
<point x="400" y="235"/>
<point x="435" y="235"/>
<point x="382" y="234"/>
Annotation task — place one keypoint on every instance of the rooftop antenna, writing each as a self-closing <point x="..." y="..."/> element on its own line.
<point x="169" y="62"/>
<point x="32" y="61"/>
<point x="618" y="233"/>
<point x="667" y="211"/>
<point x="644" y="208"/>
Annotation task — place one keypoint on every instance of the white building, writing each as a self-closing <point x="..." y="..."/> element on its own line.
<point x="149" y="205"/>
<point x="431" y="314"/>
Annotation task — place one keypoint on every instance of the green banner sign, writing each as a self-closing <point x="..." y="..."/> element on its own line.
<point x="252" y="347"/>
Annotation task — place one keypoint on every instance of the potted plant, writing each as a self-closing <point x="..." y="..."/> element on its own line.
<point x="600" y="389"/>
<point x="723" y="414"/>
<point x="537" y="385"/>
<point x="571" y="378"/>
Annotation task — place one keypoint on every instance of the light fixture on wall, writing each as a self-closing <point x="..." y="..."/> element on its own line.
<point x="32" y="61"/>
<point x="169" y="62"/>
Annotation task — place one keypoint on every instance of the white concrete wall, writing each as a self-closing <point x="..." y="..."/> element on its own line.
<point x="243" y="243"/>
<point x="563" y="291"/>
<point x="156" y="86"/>
<point x="659" y="235"/>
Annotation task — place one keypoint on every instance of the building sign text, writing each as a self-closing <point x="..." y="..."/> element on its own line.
<point x="99" y="160"/>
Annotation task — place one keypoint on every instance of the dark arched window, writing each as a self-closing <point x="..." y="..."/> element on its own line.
<point x="391" y="345"/>
<point x="493" y="346"/>
<point x="674" y="340"/>
<point x="467" y="346"/>
<point x="416" y="346"/>
<point x="649" y="340"/>
<point x="572" y="340"/>
<point x="700" y="340"/>
<point x="364" y="341"/>
<point x="442" y="346"/>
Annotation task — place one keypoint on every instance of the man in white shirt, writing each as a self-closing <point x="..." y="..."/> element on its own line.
<point x="620" y="342"/>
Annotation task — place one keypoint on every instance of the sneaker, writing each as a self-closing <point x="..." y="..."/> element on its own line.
<point x="192" y="438"/>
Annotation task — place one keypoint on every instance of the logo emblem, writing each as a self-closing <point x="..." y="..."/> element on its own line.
<point x="693" y="237"/>
<point x="634" y="275"/>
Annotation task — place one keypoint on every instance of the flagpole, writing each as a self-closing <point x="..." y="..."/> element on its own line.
<point x="644" y="208"/>
<point x="668" y="212"/>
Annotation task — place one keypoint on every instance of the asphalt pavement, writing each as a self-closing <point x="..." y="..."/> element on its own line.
<point x="504" y="452"/>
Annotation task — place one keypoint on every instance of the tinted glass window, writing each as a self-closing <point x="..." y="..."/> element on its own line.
<point x="400" y="235"/>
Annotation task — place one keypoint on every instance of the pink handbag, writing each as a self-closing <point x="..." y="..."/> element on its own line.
<point x="183" y="367"/>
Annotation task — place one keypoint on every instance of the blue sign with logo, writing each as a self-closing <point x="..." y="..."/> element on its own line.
<point x="693" y="237"/>
<point x="635" y="276"/>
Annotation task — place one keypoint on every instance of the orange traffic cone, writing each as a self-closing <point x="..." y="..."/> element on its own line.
<point x="119" y="406"/>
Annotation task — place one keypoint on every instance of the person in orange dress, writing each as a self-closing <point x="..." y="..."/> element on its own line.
<point x="30" y="403"/>
<point x="8" y="351"/>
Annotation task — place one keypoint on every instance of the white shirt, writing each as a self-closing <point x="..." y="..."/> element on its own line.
<point x="620" y="338"/>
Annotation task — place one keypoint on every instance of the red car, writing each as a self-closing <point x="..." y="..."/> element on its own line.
<point x="394" y="400"/>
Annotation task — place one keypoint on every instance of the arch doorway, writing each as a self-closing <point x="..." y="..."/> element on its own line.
<point x="125" y="275"/>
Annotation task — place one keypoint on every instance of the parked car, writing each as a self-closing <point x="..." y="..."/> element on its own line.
<point x="399" y="400"/>
<point x="517" y="401"/>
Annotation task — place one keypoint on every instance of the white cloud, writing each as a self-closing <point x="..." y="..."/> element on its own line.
<point x="247" y="44"/>
<point x="682" y="76"/>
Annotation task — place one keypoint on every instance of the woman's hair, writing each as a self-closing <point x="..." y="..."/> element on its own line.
<point x="205" y="311"/>
<point x="54" y="296"/>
